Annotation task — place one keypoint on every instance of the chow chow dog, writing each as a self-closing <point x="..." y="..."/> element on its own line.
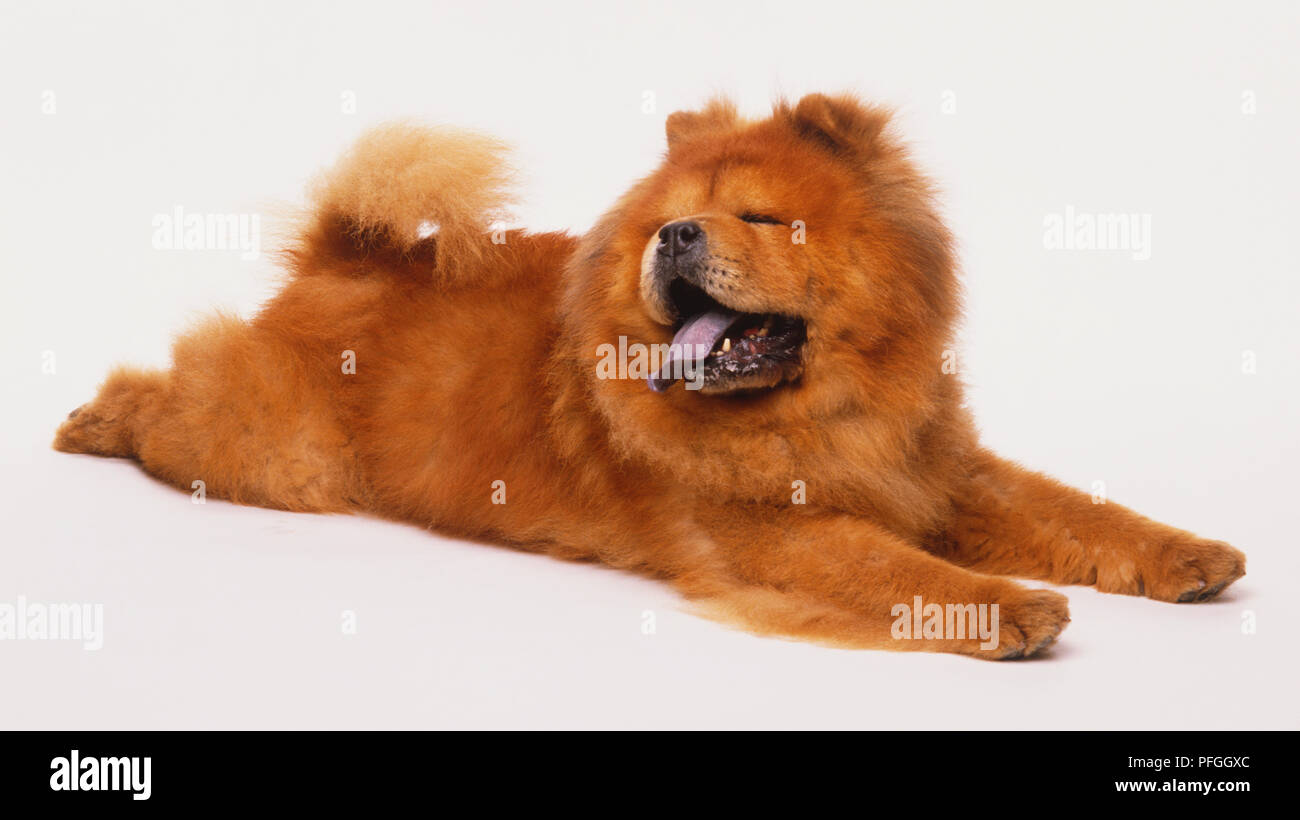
<point x="796" y="460"/>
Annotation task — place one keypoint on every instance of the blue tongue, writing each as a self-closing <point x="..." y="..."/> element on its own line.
<point x="691" y="344"/>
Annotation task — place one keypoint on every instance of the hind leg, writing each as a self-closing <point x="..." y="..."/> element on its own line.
<point x="106" y="426"/>
<point x="240" y="411"/>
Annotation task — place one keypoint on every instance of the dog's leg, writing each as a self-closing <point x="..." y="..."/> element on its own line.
<point x="238" y="411"/>
<point x="1012" y="521"/>
<point x="843" y="581"/>
<point x="107" y="426"/>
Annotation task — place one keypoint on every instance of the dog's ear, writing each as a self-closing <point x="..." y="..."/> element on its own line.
<point x="717" y="115"/>
<point x="839" y="123"/>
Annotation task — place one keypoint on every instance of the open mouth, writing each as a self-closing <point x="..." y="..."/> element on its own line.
<point x="720" y="350"/>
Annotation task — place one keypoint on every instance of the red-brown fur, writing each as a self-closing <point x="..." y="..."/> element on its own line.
<point x="475" y="364"/>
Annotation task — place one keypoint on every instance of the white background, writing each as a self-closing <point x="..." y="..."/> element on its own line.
<point x="1086" y="364"/>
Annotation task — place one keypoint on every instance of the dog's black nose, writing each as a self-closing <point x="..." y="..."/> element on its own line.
<point x="676" y="238"/>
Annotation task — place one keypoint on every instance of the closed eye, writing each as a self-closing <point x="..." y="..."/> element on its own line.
<point x="760" y="219"/>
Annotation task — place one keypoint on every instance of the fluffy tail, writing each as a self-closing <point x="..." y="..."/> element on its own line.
<point x="401" y="185"/>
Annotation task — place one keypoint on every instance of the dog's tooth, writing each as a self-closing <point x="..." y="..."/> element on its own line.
<point x="726" y="345"/>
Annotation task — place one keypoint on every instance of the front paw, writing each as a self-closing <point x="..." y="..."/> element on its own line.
<point x="1198" y="570"/>
<point x="1189" y="569"/>
<point x="1030" y="620"/>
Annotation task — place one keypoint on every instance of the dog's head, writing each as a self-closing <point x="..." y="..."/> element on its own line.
<point x="785" y="270"/>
